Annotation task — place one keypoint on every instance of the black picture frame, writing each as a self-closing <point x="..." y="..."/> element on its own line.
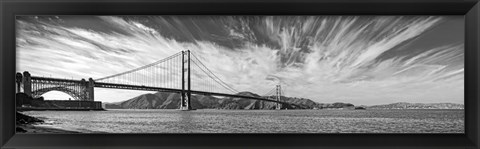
<point x="10" y="8"/>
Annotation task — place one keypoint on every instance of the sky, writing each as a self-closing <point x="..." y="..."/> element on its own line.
<point x="364" y="60"/>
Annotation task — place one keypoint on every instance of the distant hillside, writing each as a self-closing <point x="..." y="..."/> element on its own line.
<point x="162" y="100"/>
<point x="315" y="105"/>
<point x="158" y="100"/>
<point x="404" y="105"/>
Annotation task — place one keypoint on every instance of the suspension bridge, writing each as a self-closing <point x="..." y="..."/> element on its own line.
<point x="182" y="73"/>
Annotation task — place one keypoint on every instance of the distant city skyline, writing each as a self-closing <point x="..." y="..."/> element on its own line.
<point x="364" y="60"/>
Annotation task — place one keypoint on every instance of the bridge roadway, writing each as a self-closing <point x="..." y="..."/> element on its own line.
<point x="149" y="88"/>
<point x="55" y="79"/>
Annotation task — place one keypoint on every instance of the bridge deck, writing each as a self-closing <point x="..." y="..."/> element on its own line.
<point x="55" y="79"/>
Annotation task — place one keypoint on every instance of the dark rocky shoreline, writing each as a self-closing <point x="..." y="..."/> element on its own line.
<point x="26" y="124"/>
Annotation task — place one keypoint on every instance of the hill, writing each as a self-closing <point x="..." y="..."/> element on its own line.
<point x="404" y="105"/>
<point x="163" y="100"/>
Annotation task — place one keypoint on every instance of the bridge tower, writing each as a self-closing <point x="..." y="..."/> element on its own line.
<point x="90" y="89"/>
<point x="185" y="94"/>
<point x="189" y="93"/>
<point x="84" y="91"/>
<point x="279" y="95"/>
<point x="27" y="83"/>
<point x="18" y="81"/>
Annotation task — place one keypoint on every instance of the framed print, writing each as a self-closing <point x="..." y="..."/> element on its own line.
<point x="274" y="74"/>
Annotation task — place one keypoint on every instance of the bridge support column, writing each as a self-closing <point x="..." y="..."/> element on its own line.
<point x="189" y="94"/>
<point x="90" y="89"/>
<point x="83" y="90"/>
<point x="18" y="81"/>
<point x="185" y="95"/>
<point x="27" y="83"/>
<point x="279" y="95"/>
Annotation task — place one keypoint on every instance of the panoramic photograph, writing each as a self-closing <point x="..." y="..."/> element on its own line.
<point x="240" y="74"/>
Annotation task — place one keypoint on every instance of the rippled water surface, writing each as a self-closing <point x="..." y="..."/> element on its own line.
<point x="256" y="121"/>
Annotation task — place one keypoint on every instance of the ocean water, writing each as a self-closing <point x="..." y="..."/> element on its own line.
<point x="256" y="121"/>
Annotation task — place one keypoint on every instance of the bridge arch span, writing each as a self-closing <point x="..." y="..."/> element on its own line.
<point x="71" y="92"/>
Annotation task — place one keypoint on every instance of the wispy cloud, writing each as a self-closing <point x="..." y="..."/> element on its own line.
<point x="362" y="60"/>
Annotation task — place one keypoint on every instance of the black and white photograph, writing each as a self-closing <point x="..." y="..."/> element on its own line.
<point x="240" y="74"/>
